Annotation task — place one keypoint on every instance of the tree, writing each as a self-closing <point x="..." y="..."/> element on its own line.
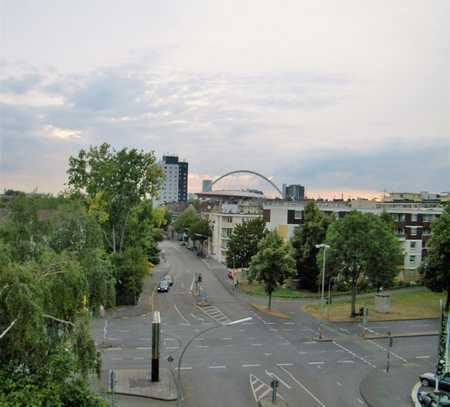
<point x="200" y="231"/>
<point x="272" y="264"/>
<point x="362" y="246"/>
<point x="115" y="182"/>
<point x="304" y="241"/>
<point x="436" y="267"/>
<point x="185" y="219"/>
<point x="243" y="243"/>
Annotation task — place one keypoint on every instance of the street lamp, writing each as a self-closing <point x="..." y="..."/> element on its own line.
<point x="322" y="295"/>
<point x="180" y="359"/>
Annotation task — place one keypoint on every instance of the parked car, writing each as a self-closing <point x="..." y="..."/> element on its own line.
<point x="168" y="278"/>
<point x="429" y="380"/>
<point x="434" y="399"/>
<point x="163" y="286"/>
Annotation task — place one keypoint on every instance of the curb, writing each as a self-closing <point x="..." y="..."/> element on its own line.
<point x="414" y="392"/>
<point x="387" y="320"/>
<point x="146" y="397"/>
<point x="401" y="335"/>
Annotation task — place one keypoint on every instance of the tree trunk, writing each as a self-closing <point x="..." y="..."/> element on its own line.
<point x="353" y="311"/>
<point x="114" y="239"/>
<point x="447" y="305"/>
<point x="270" y="299"/>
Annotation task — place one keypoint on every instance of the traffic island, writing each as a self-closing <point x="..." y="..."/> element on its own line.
<point x="267" y="402"/>
<point x="271" y="312"/>
<point x="137" y="382"/>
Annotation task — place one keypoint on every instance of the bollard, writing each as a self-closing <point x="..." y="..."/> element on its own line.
<point x="155" y="346"/>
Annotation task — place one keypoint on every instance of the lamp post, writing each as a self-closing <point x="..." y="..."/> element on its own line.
<point x="180" y="359"/>
<point x="322" y="295"/>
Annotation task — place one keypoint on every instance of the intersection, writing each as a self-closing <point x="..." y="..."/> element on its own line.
<point x="233" y="365"/>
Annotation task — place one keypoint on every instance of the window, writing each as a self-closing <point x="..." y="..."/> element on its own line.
<point x="228" y="219"/>
<point x="414" y="217"/>
<point x="427" y="217"/>
<point x="226" y="232"/>
<point x="412" y="245"/>
<point x="298" y="215"/>
<point x="413" y="231"/>
<point x="412" y="259"/>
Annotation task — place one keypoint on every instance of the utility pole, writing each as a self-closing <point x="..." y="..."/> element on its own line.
<point x="388" y="360"/>
<point x="322" y="295"/>
<point x="155" y="346"/>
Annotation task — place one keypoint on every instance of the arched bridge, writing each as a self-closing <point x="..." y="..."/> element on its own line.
<point x="248" y="172"/>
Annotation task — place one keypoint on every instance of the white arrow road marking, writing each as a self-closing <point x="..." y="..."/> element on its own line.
<point x="274" y="376"/>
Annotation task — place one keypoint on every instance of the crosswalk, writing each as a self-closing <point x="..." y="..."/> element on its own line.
<point x="260" y="389"/>
<point x="215" y="313"/>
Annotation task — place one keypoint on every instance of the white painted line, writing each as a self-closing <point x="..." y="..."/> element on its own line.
<point x="267" y="354"/>
<point x="339" y="384"/>
<point x="310" y="342"/>
<point x="251" y="365"/>
<point x="355" y="355"/>
<point x="185" y="368"/>
<point x="344" y="330"/>
<point x="274" y="329"/>
<point x="143" y="347"/>
<point x="303" y="387"/>
<point x="227" y="339"/>
<point x="385" y="350"/>
<point x="259" y="387"/>
<point x="285" y="364"/>
<point x="217" y="367"/>
<point x="316" y="363"/>
<point x="423" y="357"/>
<point x="345" y="361"/>
<point x="180" y="314"/>
<point x="172" y="347"/>
<point x="289" y="323"/>
<point x="116" y="358"/>
<point x="113" y="349"/>
<point x="360" y="401"/>
<point x="201" y="346"/>
<point x="269" y="323"/>
<point x="256" y="344"/>
<point x="274" y="376"/>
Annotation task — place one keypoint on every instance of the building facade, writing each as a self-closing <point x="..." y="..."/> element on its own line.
<point x="175" y="184"/>
<point x="412" y="222"/>
<point x="206" y="185"/>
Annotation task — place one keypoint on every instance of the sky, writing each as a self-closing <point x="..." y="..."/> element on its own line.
<point x="345" y="97"/>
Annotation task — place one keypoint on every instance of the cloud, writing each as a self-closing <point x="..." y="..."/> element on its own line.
<point x="20" y="85"/>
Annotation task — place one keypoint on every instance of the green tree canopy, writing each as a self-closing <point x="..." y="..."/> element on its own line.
<point x="243" y="243"/>
<point x="437" y="264"/>
<point x="272" y="263"/>
<point x="304" y="241"/>
<point x="115" y="182"/>
<point x="185" y="219"/>
<point x="362" y="246"/>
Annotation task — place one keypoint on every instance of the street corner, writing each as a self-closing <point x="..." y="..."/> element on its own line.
<point x="270" y="312"/>
<point x="137" y="382"/>
<point x="379" y="389"/>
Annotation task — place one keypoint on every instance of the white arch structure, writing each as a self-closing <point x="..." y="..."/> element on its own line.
<point x="249" y="172"/>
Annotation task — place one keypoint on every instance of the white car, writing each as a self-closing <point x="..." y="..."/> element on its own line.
<point x="169" y="280"/>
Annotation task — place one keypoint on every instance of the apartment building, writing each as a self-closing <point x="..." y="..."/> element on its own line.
<point x="175" y="183"/>
<point x="412" y="222"/>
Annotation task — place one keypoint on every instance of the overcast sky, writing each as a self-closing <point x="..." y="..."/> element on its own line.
<point x="341" y="96"/>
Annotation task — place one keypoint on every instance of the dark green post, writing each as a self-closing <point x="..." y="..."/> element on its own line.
<point x="155" y="346"/>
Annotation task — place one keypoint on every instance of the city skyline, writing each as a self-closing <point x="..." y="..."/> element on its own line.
<point x="303" y="93"/>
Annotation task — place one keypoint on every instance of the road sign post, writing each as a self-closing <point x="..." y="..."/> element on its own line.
<point x="388" y="360"/>
<point x="274" y="385"/>
<point x="155" y="346"/>
<point x="112" y="380"/>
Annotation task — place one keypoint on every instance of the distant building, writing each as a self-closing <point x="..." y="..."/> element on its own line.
<point x="206" y="185"/>
<point x="412" y="222"/>
<point x="175" y="184"/>
<point x="294" y="192"/>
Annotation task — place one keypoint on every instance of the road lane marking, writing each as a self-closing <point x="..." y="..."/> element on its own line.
<point x="184" y="368"/>
<point x="217" y="367"/>
<point x="423" y="357"/>
<point x="138" y="358"/>
<point x="274" y="376"/>
<point x="289" y="323"/>
<point x="256" y="344"/>
<point x="267" y="354"/>
<point x="355" y="355"/>
<point x="143" y="347"/>
<point x="339" y="384"/>
<point x="180" y="314"/>
<point x="303" y="386"/>
<point x="113" y="349"/>
<point x="251" y="365"/>
<point x="345" y="361"/>
<point x="285" y="364"/>
<point x="201" y="346"/>
<point x="172" y="347"/>
<point x="385" y="350"/>
<point x="310" y="342"/>
<point x="316" y="363"/>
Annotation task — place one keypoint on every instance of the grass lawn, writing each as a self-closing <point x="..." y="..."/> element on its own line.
<point x="280" y="292"/>
<point x="404" y="305"/>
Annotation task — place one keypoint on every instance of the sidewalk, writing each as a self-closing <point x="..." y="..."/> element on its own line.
<point x="379" y="389"/>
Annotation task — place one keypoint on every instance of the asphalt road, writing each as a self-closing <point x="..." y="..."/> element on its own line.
<point x="219" y="365"/>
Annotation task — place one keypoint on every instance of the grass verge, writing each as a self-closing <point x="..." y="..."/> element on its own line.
<point x="271" y="312"/>
<point x="280" y="292"/>
<point x="404" y="305"/>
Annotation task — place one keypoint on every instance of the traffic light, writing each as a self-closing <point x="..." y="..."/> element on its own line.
<point x="199" y="279"/>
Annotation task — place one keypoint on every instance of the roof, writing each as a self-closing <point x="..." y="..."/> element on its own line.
<point x="230" y="194"/>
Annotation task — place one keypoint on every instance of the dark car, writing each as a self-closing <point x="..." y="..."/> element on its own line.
<point x="434" y="399"/>
<point x="163" y="286"/>
<point x="429" y="380"/>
